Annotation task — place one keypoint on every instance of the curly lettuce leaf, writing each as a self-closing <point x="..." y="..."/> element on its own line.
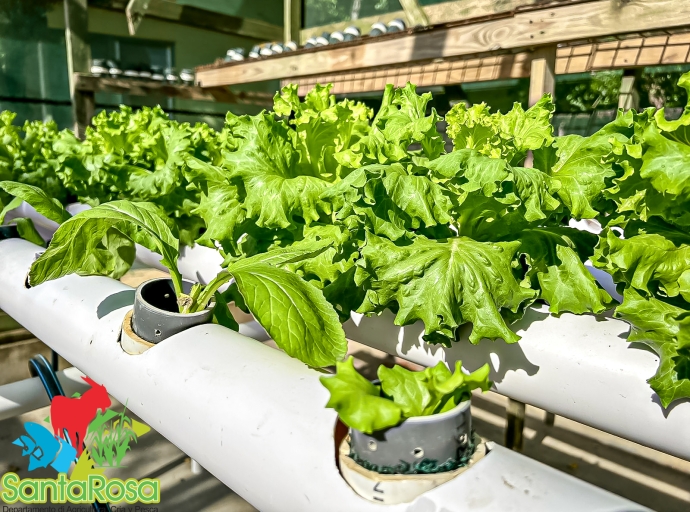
<point x="665" y="328"/>
<point x="323" y="127"/>
<point x="402" y="394"/>
<point x="266" y="163"/>
<point x="358" y="402"/>
<point x="507" y="136"/>
<point x="649" y="263"/>
<point x="555" y="259"/>
<point x="400" y="122"/>
<point x="433" y="390"/>
<point x="444" y="283"/>
<point x="390" y="200"/>
<point x="469" y="174"/>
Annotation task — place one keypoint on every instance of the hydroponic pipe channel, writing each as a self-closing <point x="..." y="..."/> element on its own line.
<point x="249" y="414"/>
<point x="577" y="366"/>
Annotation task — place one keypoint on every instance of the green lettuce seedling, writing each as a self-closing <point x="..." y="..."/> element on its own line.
<point x="101" y="241"/>
<point x="402" y="393"/>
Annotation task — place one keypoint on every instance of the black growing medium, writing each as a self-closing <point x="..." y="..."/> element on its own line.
<point x="423" y="467"/>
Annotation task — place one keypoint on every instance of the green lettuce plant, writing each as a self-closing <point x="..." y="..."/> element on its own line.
<point x="466" y="232"/>
<point x="401" y="393"/>
<point x="646" y="243"/>
<point x="100" y="241"/>
<point x="448" y="238"/>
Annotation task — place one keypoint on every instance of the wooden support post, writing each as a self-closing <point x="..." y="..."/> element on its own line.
<point x="550" y="419"/>
<point x="78" y="61"/>
<point x="542" y="78"/>
<point x="416" y="17"/>
<point x="515" y="424"/>
<point x="628" y="97"/>
<point x="292" y="19"/>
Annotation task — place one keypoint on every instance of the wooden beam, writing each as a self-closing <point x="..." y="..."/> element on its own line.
<point x="78" y="60"/>
<point x="579" y="58"/>
<point x="292" y="20"/>
<point x="170" y="10"/>
<point x="86" y="83"/>
<point x="522" y="30"/>
<point x="416" y="17"/>
<point x="542" y="79"/>
<point x="437" y="13"/>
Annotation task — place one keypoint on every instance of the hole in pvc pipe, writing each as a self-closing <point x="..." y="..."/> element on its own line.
<point x="27" y="285"/>
<point x="157" y="332"/>
<point x="418" y="452"/>
<point x="372" y="445"/>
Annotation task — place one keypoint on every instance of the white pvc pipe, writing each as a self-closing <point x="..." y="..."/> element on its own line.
<point x="249" y="414"/>
<point x="29" y="394"/>
<point x="579" y="367"/>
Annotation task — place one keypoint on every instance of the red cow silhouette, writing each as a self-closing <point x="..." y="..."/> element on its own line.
<point x="75" y="414"/>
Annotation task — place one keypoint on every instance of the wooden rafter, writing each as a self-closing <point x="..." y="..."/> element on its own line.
<point x="511" y="32"/>
<point x="170" y="10"/>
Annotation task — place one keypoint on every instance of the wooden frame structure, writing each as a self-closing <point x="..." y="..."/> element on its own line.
<point x="501" y="37"/>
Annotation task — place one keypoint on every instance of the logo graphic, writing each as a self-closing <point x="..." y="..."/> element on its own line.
<point x="73" y="415"/>
<point x="80" y="429"/>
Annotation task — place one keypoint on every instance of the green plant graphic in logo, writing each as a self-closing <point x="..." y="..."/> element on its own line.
<point x="110" y="435"/>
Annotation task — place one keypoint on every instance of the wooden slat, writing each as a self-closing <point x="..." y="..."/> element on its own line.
<point x="540" y="27"/>
<point x="89" y="83"/>
<point x="584" y="58"/>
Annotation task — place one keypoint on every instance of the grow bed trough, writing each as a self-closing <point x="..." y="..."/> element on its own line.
<point x="249" y="414"/>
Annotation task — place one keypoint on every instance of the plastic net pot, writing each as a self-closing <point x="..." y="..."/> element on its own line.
<point x="423" y="444"/>
<point x="392" y="489"/>
<point x="155" y="315"/>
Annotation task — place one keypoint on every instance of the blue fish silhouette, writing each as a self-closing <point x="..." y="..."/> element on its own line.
<point x="44" y="449"/>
